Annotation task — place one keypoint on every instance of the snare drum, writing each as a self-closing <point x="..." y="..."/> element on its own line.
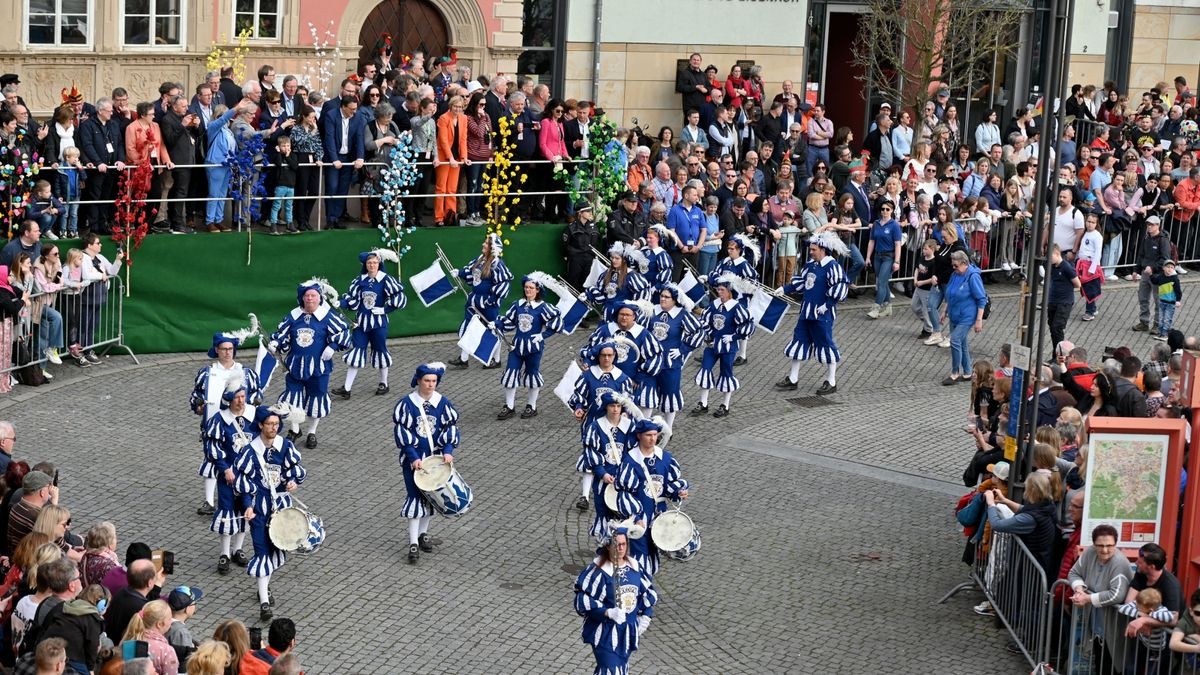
<point x="445" y="490"/>
<point x="634" y="529"/>
<point x="675" y="535"/>
<point x="610" y="497"/>
<point x="294" y="529"/>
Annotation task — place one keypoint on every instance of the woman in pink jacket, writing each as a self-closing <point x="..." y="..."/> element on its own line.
<point x="554" y="149"/>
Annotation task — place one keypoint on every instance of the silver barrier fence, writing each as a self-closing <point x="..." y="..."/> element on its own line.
<point x="1085" y="639"/>
<point x="81" y="320"/>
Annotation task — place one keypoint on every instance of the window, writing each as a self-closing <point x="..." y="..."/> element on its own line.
<point x="153" y="23"/>
<point x="259" y="17"/>
<point x="538" y="37"/>
<point x="59" y="23"/>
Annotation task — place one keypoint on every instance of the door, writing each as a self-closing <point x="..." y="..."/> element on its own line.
<point x="413" y="25"/>
<point x="840" y="84"/>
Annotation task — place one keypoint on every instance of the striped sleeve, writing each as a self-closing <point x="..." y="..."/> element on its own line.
<point x="393" y="290"/>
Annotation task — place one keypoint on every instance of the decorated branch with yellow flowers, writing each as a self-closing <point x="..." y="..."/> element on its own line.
<point x="219" y="57"/>
<point x="498" y="182"/>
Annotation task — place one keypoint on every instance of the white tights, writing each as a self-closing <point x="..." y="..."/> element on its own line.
<point x="417" y="527"/>
<point x="232" y="542"/>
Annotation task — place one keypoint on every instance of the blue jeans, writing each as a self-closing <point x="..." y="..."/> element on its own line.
<point x="934" y="305"/>
<point x="708" y="260"/>
<point x="475" y="184"/>
<point x="960" y="348"/>
<point x="883" y="274"/>
<point x="1166" y="316"/>
<point x="283" y="198"/>
<point x="50" y="330"/>
<point x="856" y="264"/>
<point x="814" y="154"/>
<point x="1112" y="254"/>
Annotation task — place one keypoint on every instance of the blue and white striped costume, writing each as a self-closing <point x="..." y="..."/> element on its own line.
<point x="742" y="267"/>
<point x="262" y="472"/>
<point x="644" y="484"/>
<point x="206" y="400"/>
<point x="722" y="324"/>
<point x="486" y="292"/>
<point x="372" y="299"/>
<point x="421" y="429"/>
<point x="603" y="446"/>
<point x="305" y="337"/>
<point x="528" y="319"/>
<point x="824" y="285"/>
<point x="659" y="270"/>
<point x="590" y="386"/>
<point x="642" y="366"/>
<point x="610" y="291"/>
<point x="224" y="439"/>
<point x="678" y="333"/>
<point x="600" y="587"/>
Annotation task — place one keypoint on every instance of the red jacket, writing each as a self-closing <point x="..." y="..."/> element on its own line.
<point x="1187" y="196"/>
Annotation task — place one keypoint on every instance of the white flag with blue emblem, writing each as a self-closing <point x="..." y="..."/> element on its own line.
<point x="479" y="341"/>
<point x="690" y="286"/>
<point x="566" y="387"/>
<point x="767" y="309"/>
<point x="431" y="284"/>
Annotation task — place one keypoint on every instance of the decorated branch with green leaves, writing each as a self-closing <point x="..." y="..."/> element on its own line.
<point x="601" y="176"/>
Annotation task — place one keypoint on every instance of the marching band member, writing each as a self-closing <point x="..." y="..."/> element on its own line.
<point x="824" y="285"/>
<point x="743" y="256"/>
<point x="723" y="323"/>
<point x="605" y="440"/>
<point x="267" y="470"/>
<point x="534" y="320"/>
<point x="678" y="333"/>
<point x="226" y="435"/>
<point x="616" y="601"/>
<point x="208" y="389"/>
<point x="623" y="280"/>
<point x="372" y="296"/>
<point x="659" y="265"/>
<point x="489" y="279"/>
<point x="310" y="334"/>
<point x="425" y="423"/>
<point x="600" y="377"/>
<point x="647" y="478"/>
<point x="639" y="355"/>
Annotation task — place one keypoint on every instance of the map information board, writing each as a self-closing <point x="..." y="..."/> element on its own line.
<point x="1125" y="484"/>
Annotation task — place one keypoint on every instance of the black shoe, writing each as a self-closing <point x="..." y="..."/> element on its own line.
<point x="311" y="441"/>
<point x="1141" y="327"/>
<point x="721" y="411"/>
<point x="492" y="366"/>
<point x="342" y="391"/>
<point x="506" y="413"/>
<point x="530" y="411"/>
<point x="581" y="503"/>
<point x="264" y="612"/>
<point x="205" y="509"/>
<point x="90" y="355"/>
<point x="240" y="559"/>
<point x="950" y="380"/>
<point x="382" y="389"/>
<point x="81" y="361"/>
<point x="741" y="361"/>
<point x="223" y="565"/>
<point x="274" y="230"/>
<point x="826" y="388"/>
<point x="924" y="334"/>
<point x="459" y="363"/>
<point x="414" y="554"/>
<point x="425" y="544"/>
<point x="292" y="229"/>
<point x="700" y="409"/>
<point x="786" y="383"/>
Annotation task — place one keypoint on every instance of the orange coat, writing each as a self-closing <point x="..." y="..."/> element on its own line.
<point x="140" y="140"/>
<point x="446" y="140"/>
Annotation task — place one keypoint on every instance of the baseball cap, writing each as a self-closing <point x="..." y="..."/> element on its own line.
<point x="1169" y="262"/>
<point x="183" y="597"/>
<point x="34" y="481"/>
<point x="999" y="470"/>
<point x="1149" y="219"/>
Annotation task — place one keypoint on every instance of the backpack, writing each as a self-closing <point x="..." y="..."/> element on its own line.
<point x="33" y="632"/>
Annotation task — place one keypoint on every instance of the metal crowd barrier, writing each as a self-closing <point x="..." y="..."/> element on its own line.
<point x="88" y="324"/>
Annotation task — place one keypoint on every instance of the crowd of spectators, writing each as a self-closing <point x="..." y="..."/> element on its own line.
<point x="71" y="604"/>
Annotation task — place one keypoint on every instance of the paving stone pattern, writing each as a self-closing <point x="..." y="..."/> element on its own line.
<point x="805" y="567"/>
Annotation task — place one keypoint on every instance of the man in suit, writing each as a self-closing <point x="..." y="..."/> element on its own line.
<point x="330" y="108"/>
<point x="523" y="127"/>
<point x="229" y="89"/>
<point x="180" y="130"/>
<point x="575" y="135"/>
<point x="343" y="138"/>
<point x="857" y="189"/>
<point x="691" y="84"/>
<point x="102" y="149"/>
<point x="292" y="102"/>
<point x="496" y="106"/>
<point x="202" y="106"/>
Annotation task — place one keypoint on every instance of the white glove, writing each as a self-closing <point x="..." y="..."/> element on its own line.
<point x="537" y="339"/>
<point x="727" y="340"/>
<point x="821" y="310"/>
<point x="643" y="622"/>
<point x="377" y="311"/>
<point x="674" y="354"/>
<point x="616" y="614"/>
<point x="583" y="297"/>
<point x="327" y="354"/>
<point x="273" y="346"/>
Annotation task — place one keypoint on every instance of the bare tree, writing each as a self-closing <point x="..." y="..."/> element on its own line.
<point x="906" y="48"/>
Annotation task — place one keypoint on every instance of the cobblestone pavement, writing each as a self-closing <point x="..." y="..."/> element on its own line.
<point x="827" y="532"/>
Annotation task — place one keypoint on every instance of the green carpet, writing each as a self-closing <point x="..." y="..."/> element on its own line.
<point x="185" y="288"/>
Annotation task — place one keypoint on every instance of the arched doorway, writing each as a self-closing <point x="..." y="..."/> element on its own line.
<point x="413" y="24"/>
